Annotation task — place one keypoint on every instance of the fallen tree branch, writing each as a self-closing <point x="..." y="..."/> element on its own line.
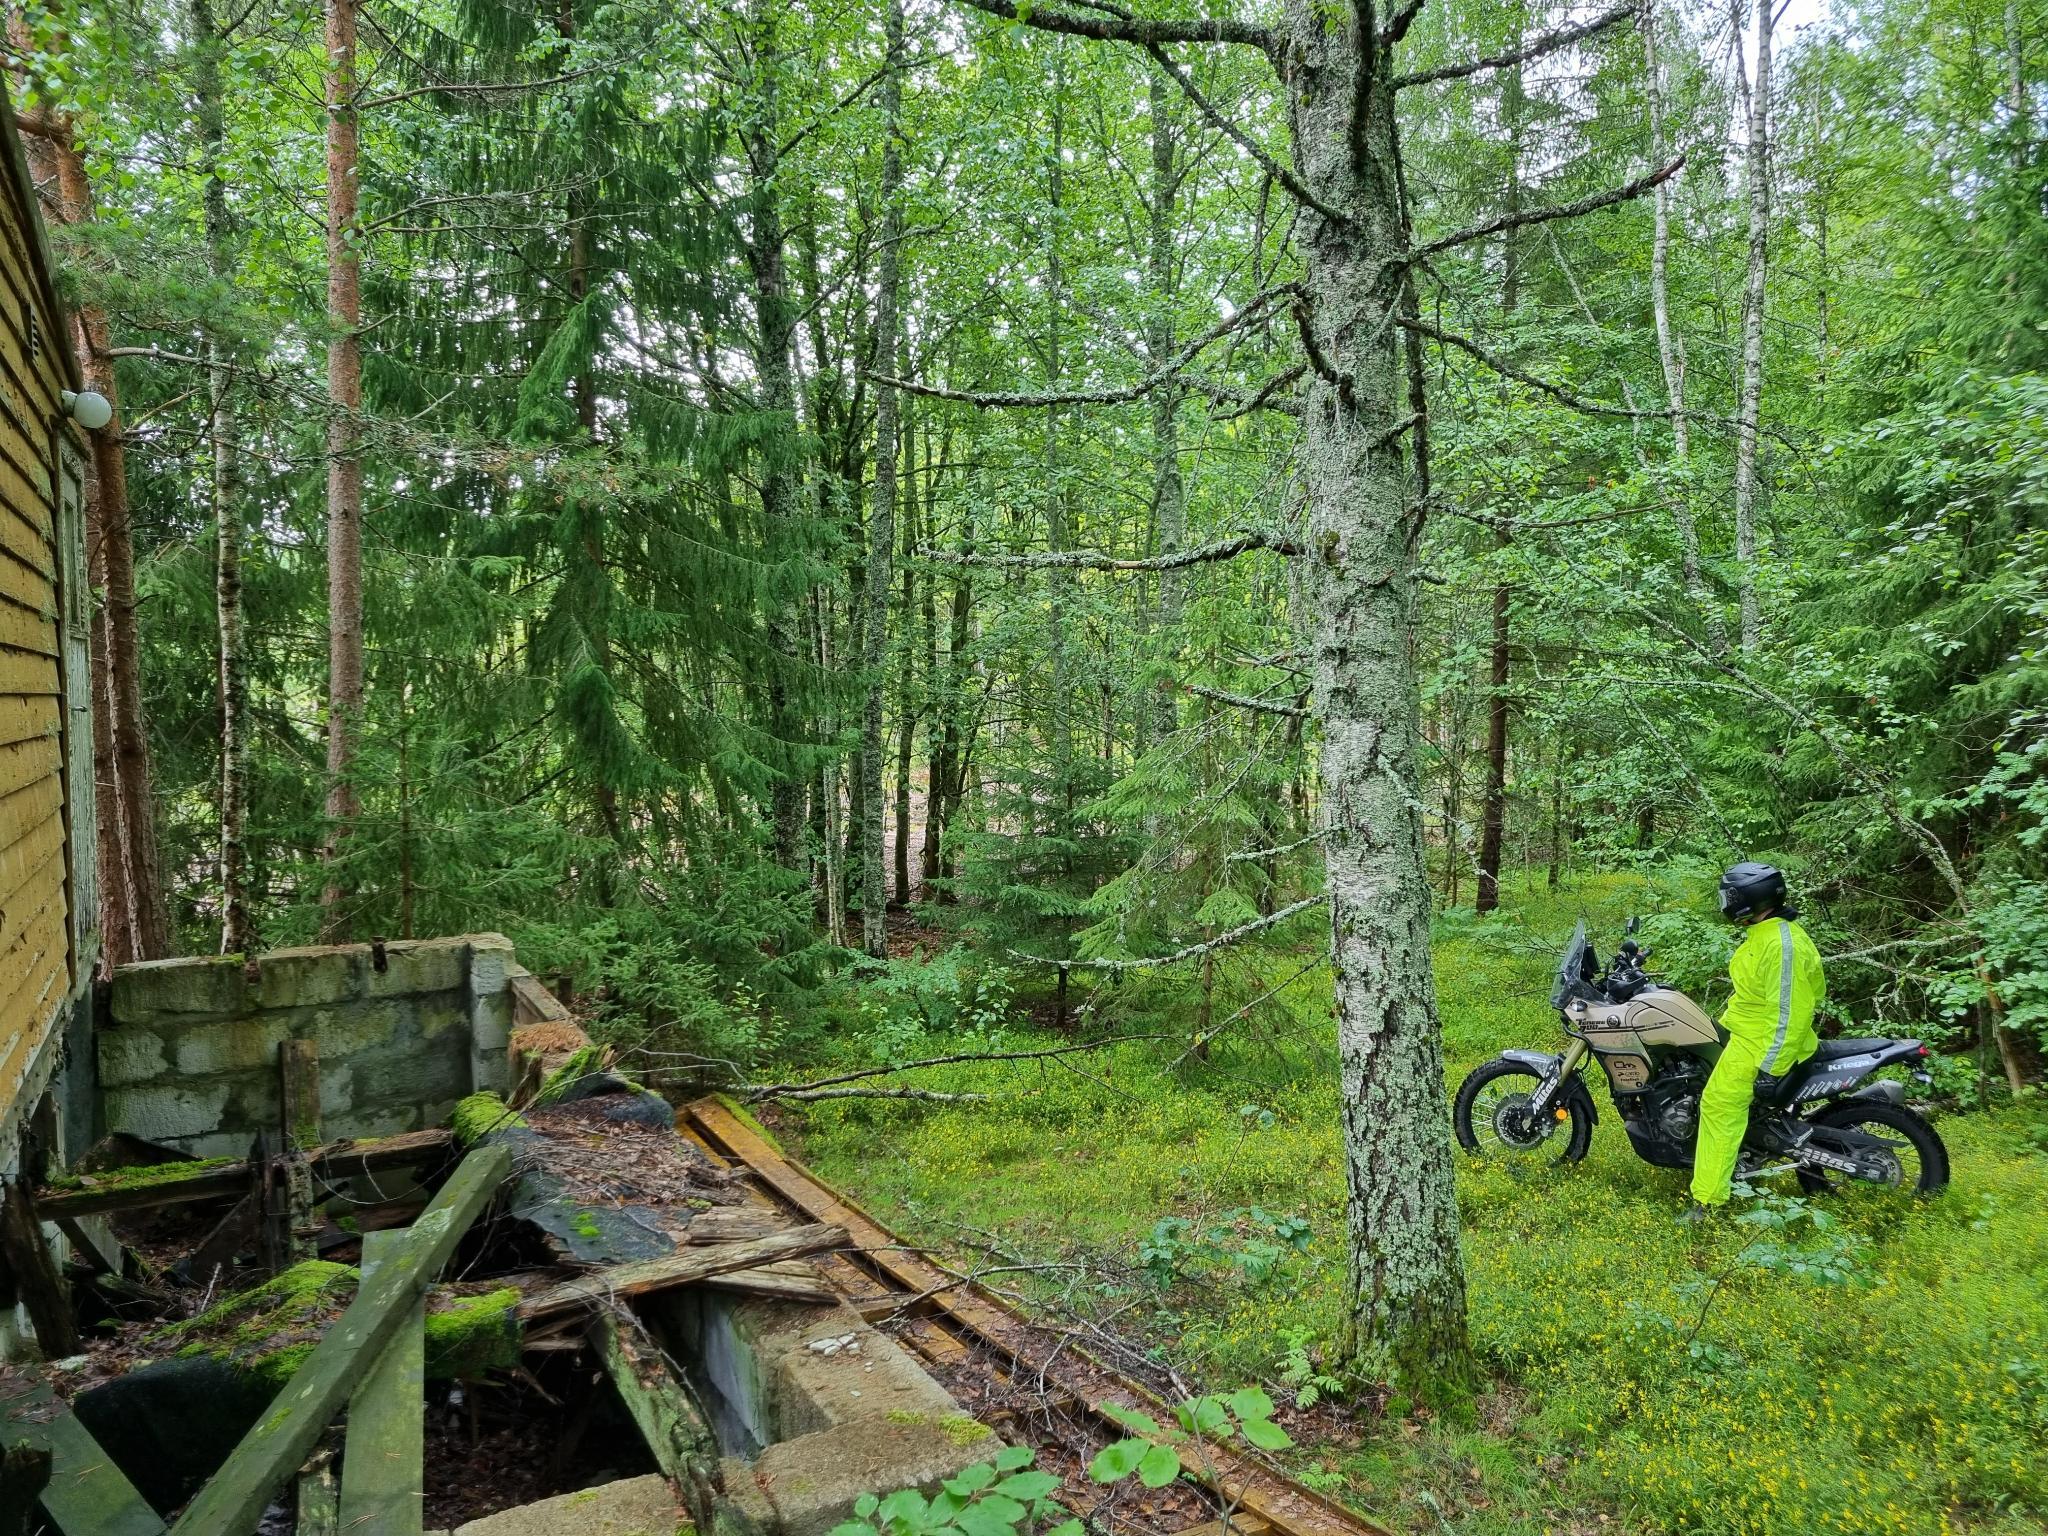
<point x="1549" y="42"/>
<point x="1193" y="951"/>
<point x="779" y="1090"/>
<point x="1096" y="560"/>
<point x="815" y="1095"/>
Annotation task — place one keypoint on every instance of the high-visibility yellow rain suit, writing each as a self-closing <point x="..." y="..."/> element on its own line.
<point x="1778" y="984"/>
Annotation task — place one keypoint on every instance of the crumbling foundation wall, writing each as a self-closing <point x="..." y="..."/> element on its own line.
<point x="187" y="1050"/>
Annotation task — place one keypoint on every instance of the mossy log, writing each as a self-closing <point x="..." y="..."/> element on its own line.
<point x="267" y="1333"/>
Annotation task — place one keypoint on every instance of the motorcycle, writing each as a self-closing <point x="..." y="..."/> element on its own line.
<point x="1824" y="1119"/>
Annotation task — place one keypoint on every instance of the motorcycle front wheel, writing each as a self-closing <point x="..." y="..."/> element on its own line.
<point x="1491" y="1116"/>
<point x="1918" y="1167"/>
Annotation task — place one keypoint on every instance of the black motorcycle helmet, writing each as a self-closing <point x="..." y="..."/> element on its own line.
<point x="1748" y="889"/>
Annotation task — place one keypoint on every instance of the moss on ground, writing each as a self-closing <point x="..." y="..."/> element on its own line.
<point x="1903" y="1393"/>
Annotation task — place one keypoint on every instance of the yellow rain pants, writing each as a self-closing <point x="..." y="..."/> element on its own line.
<point x="1778" y="984"/>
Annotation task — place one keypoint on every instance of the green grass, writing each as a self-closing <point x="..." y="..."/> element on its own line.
<point x="1910" y="1396"/>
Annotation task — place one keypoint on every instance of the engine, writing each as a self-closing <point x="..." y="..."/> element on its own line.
<point x="1663" y="1117"/>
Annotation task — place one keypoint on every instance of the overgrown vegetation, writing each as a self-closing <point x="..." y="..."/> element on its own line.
<point x="1804" y="1367"/>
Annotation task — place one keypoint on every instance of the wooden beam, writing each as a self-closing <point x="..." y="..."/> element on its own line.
<point x="36" y="1281"/>
<point x="87" y="1494"/>
<point x="683" y="1446"/>
<point x="685" y="1267"/>
<point x="339" y="1160"/>
<point x="383" y="1484"/>
<point x="298" y="1091"/>
<point x="319" y="1501"/>
<point x="232" y="1503"/>
<point x="785" y="1282"/>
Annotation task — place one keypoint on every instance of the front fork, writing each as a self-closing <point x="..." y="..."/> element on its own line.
<point x="1553" y="1085"/>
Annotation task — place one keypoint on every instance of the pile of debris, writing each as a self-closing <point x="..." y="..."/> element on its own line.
<point x="281" y="1325"/>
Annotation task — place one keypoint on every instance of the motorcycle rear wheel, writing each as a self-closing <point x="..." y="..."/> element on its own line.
<point x="1922" y="1163"/>
<point x="1490" y="1116"/>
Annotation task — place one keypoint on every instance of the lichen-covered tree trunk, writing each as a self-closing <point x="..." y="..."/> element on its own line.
<point x="1406" y="1286"/>
<point x="1169" y="501"/>
<point x="344" y="462"/>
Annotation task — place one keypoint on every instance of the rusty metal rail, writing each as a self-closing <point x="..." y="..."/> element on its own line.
<point x="884" y="1277"/>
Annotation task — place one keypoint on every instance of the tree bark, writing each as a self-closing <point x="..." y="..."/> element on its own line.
<point x="1169" y="500"/>
<point x="775" y="334"/>
<point x="916" y="644"/>
<point x="134" y="921"/>
<point x="874" y="903"/>
<point x="1493" y="810"/>
<point x="344" y="465"/>
<point x="1757" y="176"/>
<point x="1405" y="1313"/>
<point x="237" y="934"/>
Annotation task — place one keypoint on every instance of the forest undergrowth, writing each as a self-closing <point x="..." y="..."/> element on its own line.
<point x="1803" y="1367"/>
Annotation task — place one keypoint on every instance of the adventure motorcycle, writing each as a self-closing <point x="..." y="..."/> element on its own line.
<point x="1820" y="1119"/>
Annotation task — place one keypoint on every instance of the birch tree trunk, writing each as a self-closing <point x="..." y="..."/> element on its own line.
<point x="344" y="462"/>
<point x="1757" y="176"/>
<point x="1169" y="501"/>
<point x="874" y="899"/>
<point x="1405" y="1313"/>
<point x="237" y="934"/>
<point x="1670" y="345"/>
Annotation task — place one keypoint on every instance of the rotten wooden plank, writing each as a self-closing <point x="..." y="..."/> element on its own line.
<point x="319" y="1501"/>
<point x="87" y="1495"/>
<point x="1248" y="1487"/>
<point x="338" y="1160"/>
<point x="36" y="1281"/>
<point x="685" y="1267"/>
<point x="234" y="1500"/>
<point x="298" y="1083"/>
<point x="683" y="1445"/>
<point x="785" y="1282"/>
<point x="382" y="1472"/>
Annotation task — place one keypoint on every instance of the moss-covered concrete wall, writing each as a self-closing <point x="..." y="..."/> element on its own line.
<point x="187" y="1051"/>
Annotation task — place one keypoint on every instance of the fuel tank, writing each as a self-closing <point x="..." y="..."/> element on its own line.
<point x="1622" y="1034"/>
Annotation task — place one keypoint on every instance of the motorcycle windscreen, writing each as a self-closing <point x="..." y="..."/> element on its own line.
<point x="1574" y="969"/>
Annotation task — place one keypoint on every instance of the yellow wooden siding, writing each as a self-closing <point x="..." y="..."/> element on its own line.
<point x="34" y="932"/>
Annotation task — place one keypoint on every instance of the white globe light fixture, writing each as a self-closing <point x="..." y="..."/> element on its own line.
<point x="88" y="407"/>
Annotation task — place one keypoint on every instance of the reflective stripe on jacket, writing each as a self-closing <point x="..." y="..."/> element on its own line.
<point x="1778" y="984"/>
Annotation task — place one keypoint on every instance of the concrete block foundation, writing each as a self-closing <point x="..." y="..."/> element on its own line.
<point x="812" y="1408"/>
<point x="188" y="1054"/>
